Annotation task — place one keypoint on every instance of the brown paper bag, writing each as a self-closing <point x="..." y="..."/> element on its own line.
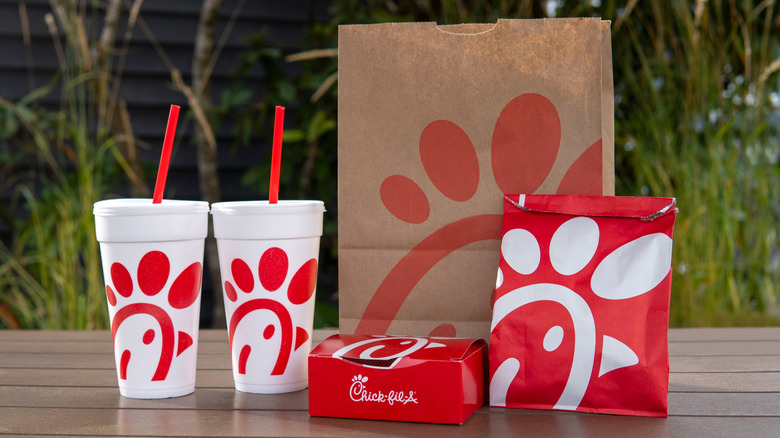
<point x="435" y="124"/>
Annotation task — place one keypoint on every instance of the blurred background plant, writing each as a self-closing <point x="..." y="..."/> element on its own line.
<point x="697" y="111"/>
<point x="697" y="117"/>
<point x="51" y="276"/>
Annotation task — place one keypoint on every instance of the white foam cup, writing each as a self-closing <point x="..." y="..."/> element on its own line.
<point x="152" y="257"/>
<point x="268" y="256"/>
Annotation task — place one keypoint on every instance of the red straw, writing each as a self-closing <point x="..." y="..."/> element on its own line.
<point x="165" y="158"/>
<point x="276" y="156"/>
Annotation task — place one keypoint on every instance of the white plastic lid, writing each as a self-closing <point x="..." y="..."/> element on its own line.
<point x="260" y="220"/>
<point x="145" y="206"/>
<point x="266" y="208"/>
<point x="140" y="220"/>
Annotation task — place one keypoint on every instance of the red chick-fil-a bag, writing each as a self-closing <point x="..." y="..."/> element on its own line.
<point x="581" y="305"/>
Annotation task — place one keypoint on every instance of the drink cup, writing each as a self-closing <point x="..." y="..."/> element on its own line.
<point x="268" y="255"/>
<point x="152" y="257"/>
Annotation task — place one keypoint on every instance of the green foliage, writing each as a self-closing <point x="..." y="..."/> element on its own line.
<point x="52" y="278"/>
<point x="694" y="108"/>
<point x="62" y="162"/>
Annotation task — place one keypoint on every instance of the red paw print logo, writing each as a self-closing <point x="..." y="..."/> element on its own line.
<point x="248" y="297"/>
<point x="528" y="131"/>
<point x="152" y="277"/>
<point x="583" y="310"/>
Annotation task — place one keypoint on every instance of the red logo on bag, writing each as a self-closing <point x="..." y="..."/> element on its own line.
<point x="528" y="129"/>
<point x="573" y="301"/>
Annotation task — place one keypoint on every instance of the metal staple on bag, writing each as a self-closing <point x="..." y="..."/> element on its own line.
<point x="521" y="207"/>
<point x="660" y="212"/>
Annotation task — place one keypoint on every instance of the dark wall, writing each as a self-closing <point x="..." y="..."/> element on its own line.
<point x="146" y="83"/>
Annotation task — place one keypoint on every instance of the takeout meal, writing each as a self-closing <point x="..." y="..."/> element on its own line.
<point x="476" y="174"/>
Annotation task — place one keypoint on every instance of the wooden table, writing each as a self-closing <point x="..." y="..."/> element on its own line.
<point x="723" y="382"/>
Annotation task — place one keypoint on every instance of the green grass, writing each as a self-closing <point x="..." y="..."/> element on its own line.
<point x="693" y="122"/>
<point x="51" y="277"/>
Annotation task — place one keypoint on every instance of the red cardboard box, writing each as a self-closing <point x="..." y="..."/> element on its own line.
<point x="429" y="380"/>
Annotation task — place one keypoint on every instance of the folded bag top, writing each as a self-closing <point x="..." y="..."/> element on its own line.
<point x="581" y="305"/>
<point x="638" y="207"/>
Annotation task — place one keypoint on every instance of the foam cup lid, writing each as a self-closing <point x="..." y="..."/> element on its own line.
<point x="266" y="208"/>
<point x="144" y="206"/>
